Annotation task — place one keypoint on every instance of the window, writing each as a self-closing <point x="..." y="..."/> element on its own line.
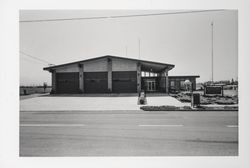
<point x="172" y="83"/>
<point x="182" y="84"/>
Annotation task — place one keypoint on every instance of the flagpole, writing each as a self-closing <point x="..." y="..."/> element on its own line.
<point x="212" y="51"/>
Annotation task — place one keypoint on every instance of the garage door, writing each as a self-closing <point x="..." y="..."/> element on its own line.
<point x="96" y="82"/>
<point x="124" y="82"/>
<point x="67" y="82"/>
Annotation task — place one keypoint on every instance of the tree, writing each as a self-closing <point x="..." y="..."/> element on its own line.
<point x="232" y="81"/>
<point x="44" y="86"/>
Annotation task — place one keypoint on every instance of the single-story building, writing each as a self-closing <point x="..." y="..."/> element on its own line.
<point x="177" y="83"/>
<point x="110" y="74"/>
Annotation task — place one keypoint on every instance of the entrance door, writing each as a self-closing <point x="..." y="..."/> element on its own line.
<point x="151" y="86"/>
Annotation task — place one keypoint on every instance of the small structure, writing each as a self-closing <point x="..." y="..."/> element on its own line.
<point x="142" y="100"/>
<point x="177" y="83"/>
<point x="195" y="100"/>
<point x="188" y="85"/>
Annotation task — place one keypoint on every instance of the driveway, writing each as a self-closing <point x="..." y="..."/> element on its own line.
<point x="57" y="103"/>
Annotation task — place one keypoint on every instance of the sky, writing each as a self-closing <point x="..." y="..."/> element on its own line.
<point x="183" y="39"/>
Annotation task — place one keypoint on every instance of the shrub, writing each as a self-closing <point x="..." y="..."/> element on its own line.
<point x="158" y="108"/>
<point x="186" y="108"/>
<point x="185" y="99"/>
<point x="224" y="102"/>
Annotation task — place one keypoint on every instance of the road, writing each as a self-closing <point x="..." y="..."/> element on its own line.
<point x="128" y="133"/>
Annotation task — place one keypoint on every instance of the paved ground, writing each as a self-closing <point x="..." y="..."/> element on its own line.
<point x="165" y="100"/>
<point x="22" y="97"/>
<point x="128" y="133"/>
<point x="55" y="103"/>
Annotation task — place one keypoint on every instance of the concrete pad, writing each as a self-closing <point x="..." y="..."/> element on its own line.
<point x="165" y="100"/>
<point x="57" y="103"/>
<point x="48" y="103"/>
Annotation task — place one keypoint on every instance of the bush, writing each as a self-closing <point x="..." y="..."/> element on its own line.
<point x="204" y="102"/>
<point x="186" y="108"/>
<point x="224" y="102"/>
<point x="185" y="99"/>
<point x="188" y="94"/>
<point x="158" y="108"/>
<point x="231" y="107"/>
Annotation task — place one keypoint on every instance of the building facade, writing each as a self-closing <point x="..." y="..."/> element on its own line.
<point x="110" y="74"/>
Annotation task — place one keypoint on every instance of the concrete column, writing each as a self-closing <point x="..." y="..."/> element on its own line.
<point x="138" y="77"/>
<point x="166" y="83"/>
<point x="53" y="80"/>
<point x="162" y="81"/>
<point x="81" y="78"/>
<point x="109" y="74"/>
<point x="194" y="84"/>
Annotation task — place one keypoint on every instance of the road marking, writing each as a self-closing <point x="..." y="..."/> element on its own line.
<point x="52" y="125"/>
<point x="160" y="125"/>
<point x="232" y="126"/>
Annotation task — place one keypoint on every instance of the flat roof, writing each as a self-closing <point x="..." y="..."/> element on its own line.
<point x="109" y="56"/>
<point x="185" y="76"/>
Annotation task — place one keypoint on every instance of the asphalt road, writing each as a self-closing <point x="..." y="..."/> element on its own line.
<point x="128" y="133"/>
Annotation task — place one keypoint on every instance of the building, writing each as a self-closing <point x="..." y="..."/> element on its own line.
<point x="177" y="83"/>
<point x="110" y="74"/>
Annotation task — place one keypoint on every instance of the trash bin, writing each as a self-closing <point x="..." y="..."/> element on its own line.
<point x="195" y="101"/>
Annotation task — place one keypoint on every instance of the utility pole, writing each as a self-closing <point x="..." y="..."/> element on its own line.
<point x="212" y="52"/>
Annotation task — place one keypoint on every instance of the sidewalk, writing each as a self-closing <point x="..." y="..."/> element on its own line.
<point x="165" y="101"/>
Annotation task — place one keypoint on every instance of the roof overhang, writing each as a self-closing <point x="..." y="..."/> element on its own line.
<point x="145" y="65"/>
<point x="155" y="67"/>
<point x="185" y="76"/>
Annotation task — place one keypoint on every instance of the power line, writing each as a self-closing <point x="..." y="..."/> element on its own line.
<point x="41" y="60"/>
<point x="32" y="60"/>
<point x="34" y="57"/>
<point x="118" y="16"/>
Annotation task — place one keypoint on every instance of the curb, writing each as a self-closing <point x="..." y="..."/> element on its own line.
<point x="166" y="108"/>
